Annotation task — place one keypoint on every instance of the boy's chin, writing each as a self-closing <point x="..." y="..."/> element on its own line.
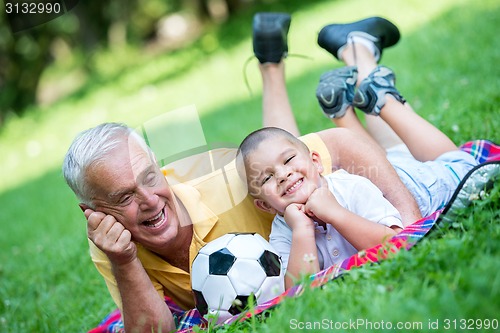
<point x="303" y="195"/>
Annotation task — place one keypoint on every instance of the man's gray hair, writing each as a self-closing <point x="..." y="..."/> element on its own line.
<point x="88" y="147"/>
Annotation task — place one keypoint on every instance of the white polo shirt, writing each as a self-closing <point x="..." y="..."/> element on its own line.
<point x="355" y="193"/>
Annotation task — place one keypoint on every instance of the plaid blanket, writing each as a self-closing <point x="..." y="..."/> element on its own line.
<point x="183" y="319"/>
<point x="484" y="151"/>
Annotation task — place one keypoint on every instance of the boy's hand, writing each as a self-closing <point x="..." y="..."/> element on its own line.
<point x="296" y="218"/>
<point x="111" y="237"/>
<point x="322" y="205"/>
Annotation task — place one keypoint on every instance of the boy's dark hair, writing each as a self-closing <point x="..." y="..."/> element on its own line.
<point x="252" y="141"/>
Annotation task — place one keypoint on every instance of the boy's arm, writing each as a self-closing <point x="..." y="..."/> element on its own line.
<point x="352" y="153"/>
<point x="303" y="258"/>
<point x="361" y="232"/>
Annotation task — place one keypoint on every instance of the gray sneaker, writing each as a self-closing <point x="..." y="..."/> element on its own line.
<point x="370" y="96"/>
<point x="335" y="91"/>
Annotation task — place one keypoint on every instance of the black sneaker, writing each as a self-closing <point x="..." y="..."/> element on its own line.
<point x="380" y="31"/>
<point x="335" y="91"/>
<point x="270" y="36"/>
<point x="370" y="96"/>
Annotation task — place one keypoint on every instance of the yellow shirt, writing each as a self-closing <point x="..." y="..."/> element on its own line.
<point x="217" y="202"/>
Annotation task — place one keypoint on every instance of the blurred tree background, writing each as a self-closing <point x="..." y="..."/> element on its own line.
<point x="150" y="25"/>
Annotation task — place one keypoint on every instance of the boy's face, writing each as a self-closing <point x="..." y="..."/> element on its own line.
<point x="280" y="173"/>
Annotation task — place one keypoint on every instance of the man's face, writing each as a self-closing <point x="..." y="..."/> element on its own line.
<point x="130" y="186"/>
<point x="280" y="173"/>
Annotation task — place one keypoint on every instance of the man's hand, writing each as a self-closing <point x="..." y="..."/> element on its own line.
<point x="111" y="237"/>
<point x="143" y="309"/>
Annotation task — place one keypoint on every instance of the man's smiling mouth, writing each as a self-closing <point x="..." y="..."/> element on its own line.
<point x="157" y="220"/>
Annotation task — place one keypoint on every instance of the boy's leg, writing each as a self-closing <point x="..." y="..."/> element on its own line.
<point x="359" y="55"/>
<point x="423" y="139"/>
<point x="360" y="44"/>
<point x="382" y="133"/>
<point x="360" y="146"/>
<point x="270" y="47"/>
<point x="353" y="43"/>
<point x="335" y="93"/>
<point x="276" y="108"/>
<point x="377" y="95"/>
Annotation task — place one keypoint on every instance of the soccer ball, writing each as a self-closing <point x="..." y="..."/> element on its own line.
<point x="232" y="267"/>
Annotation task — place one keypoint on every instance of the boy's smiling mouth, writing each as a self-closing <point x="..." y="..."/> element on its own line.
<point x="293" y="187"/>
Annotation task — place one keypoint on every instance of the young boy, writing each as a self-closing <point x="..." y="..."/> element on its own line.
<point x="328" y="218"/>
<point x="427" y="161"/>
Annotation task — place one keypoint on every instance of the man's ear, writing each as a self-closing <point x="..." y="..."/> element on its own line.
<point x="264" y="206"/>
<point x="316" y="158"/>
<point x="86" y="209"/>
<point x="83" y="207"/>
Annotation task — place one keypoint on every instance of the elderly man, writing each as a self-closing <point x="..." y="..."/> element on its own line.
<point x="144" y="232"/>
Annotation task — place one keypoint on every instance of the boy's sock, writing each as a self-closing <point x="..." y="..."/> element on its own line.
<point x="364" y="39"/>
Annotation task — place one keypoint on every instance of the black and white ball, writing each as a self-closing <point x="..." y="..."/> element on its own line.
<point x="230" y="268"/>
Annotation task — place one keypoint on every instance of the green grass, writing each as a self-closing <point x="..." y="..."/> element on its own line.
<point x="447" y="66"/>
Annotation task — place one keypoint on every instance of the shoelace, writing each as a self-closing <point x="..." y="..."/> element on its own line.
<point x="245" y="77"/>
